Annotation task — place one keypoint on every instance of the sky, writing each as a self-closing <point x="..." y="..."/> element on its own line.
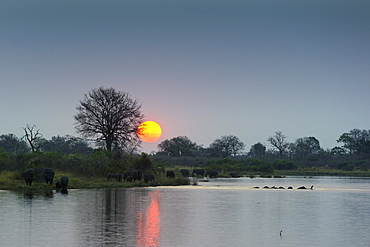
<point x="201" y="69"/>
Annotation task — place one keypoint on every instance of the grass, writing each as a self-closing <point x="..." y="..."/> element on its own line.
<point x="14" y="181"/>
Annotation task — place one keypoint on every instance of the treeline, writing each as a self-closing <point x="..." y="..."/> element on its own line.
<point x="70" y="154"/>
<point x="227" y="153"/>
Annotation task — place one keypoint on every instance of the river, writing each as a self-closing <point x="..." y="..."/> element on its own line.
<point x="221" y="212"/>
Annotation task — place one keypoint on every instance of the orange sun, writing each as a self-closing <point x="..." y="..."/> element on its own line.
<point x="149" y="131"/>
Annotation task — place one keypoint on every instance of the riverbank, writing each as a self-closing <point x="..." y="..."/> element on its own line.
<point x="322" y="172"/>
<point x="13" y="181"/>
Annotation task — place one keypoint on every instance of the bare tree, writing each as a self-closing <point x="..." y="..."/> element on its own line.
<point x="110" y="116"/>
<point x="278" y="141"/>
<point x="33" y="136"/>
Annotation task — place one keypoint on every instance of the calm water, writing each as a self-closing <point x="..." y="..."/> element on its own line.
<point x="221" y="212"/>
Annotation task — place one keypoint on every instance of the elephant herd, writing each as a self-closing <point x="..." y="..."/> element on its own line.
<point x="44" y="175"/>
<point x="199" y="172"/>
<point x="137" y="175"/>
<point x="131" y="176"/>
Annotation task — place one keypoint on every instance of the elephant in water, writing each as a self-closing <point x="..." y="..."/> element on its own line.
<point x="64" y="182"/>
<point x="28" y="176"/>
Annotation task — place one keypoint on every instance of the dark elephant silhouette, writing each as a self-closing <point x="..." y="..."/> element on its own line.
<point x="111" y="176"/>
<point x="198" y="172"/>
<point x="114" y="176"/>
<point x="212" y="174"/>
<point x="184" y="172"/>
<point x="170" y="174"/>
<point x="148" y="177"/>
<point x="39" y="174"/>
<point x="137" y="175"/>
<point x="128" y="179"/>
<point x="49" y="175"/>
<point x="28" y="176"/>
<point x="126" y="174"/>
<point x="64" y="182"/>
<point x="58" y="185"/>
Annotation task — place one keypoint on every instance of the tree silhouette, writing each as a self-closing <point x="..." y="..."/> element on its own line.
<point x="110" y="116"/>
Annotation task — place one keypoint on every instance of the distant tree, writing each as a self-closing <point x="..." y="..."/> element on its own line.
<point x="143" y="162"/>
<point x="356" y="142"/>
<point x="178" y="146"/>
<point x="33" y="137"/>
<point x="306" y="147"/>
<point x="226" y="146"/>
<point x="12" y="144"/>
<point x="338" y="151"/>
<point x="110" y="116"/>
<point x="278" y="142"/>
<point x="67" y="145"/>
<point x="256" y="150"/>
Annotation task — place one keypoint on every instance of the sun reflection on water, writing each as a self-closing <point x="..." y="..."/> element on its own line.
<point x="148" y="224"/>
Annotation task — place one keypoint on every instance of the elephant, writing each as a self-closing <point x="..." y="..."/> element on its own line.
<point x="184" y="172"/>
<point x="39" y="175"/>
<point x="118" y="176"/>
<point x="28" y="176"/>
<point x="111" y="176"/>
<point x="64" y="182"/>
<point x="234" y="175"/>
<point x="129" y="179"/>
<point x="126" y="174"/>
<point x="49" y="175"/>
<point x="212" y="174"/>
<point x="58" y="185"/>
<point x="148" y="177"/>
<point x="137" y="175"/>
<point x="198" y="172"/>
<point x="170" y="174"/>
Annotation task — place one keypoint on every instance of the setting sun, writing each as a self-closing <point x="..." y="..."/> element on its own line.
<point x="149" y="131"/>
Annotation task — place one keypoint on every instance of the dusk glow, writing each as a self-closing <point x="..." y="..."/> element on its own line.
<point x="204" y="69"/>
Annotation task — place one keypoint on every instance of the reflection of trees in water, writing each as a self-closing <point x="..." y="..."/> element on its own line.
<point x="116" y="217"/>
<point x="148" y="224"/>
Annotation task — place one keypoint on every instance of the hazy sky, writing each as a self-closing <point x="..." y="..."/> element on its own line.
<point x="201" y="69"/>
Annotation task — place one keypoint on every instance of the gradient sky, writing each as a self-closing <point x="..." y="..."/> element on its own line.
<point x="201" y="69"/>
